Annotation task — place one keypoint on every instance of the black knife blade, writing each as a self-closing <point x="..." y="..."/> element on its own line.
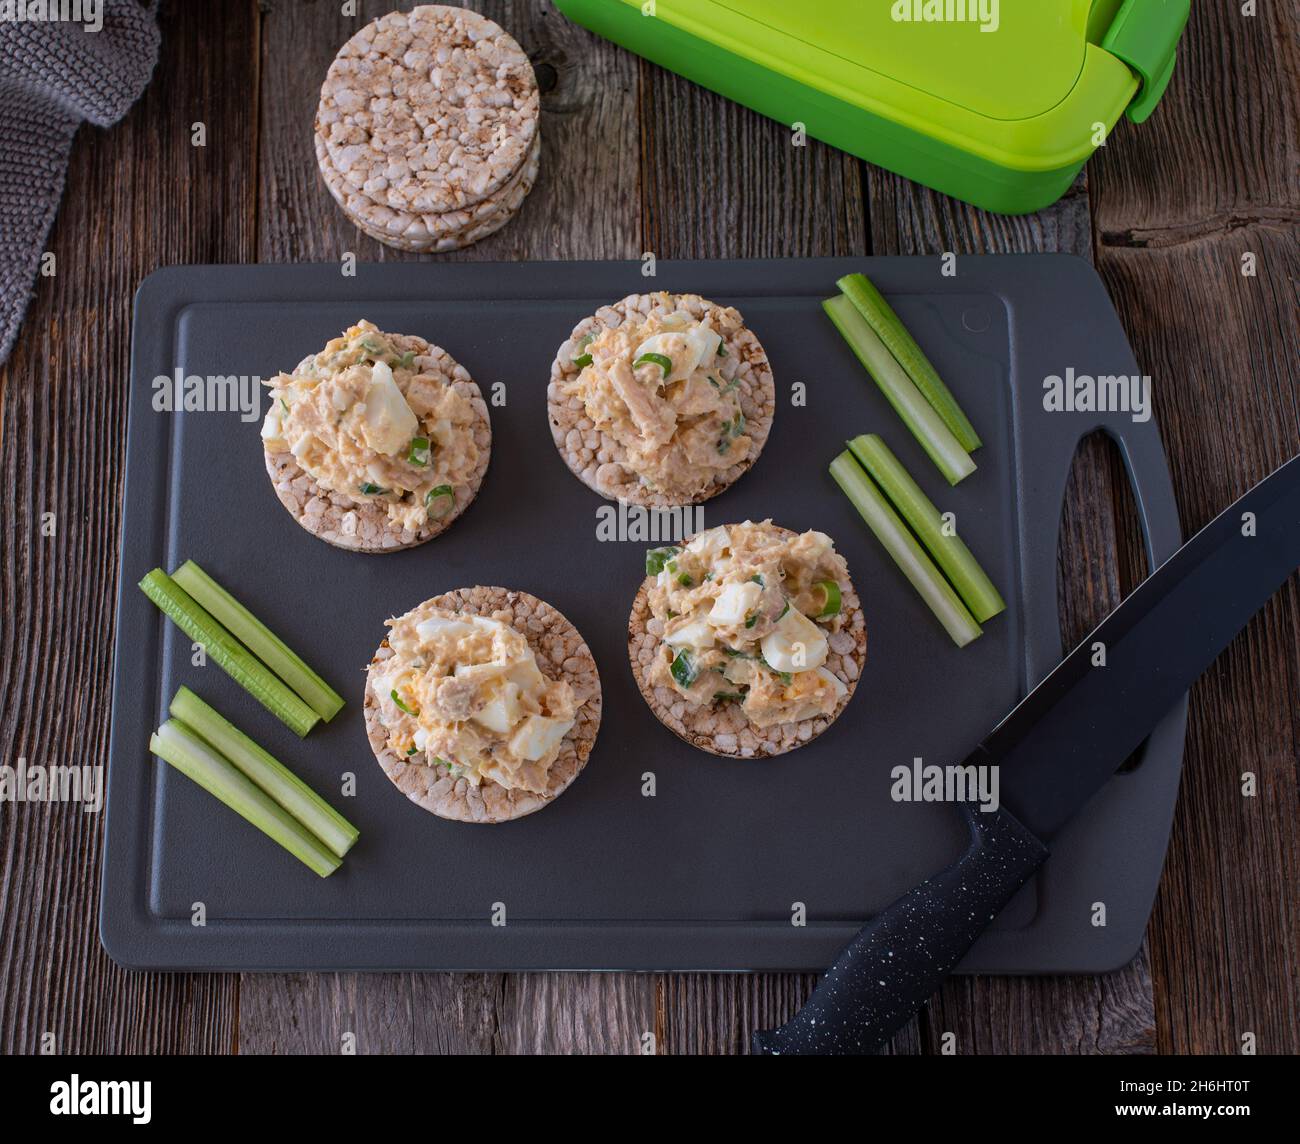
<point x="1057" y="748"/>
<point x="1091" y="712"/>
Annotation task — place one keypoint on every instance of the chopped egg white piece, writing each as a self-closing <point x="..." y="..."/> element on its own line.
<point x="389" y="423"/>
<point x="436" y="626"/>
<point x="502" y="710"/>
<point x="734" y="603"/>
<point x="697" y="634"/>
<point x="795" y="644"/>
<point x="711" y="543"/>
<point x="538" y="735"/>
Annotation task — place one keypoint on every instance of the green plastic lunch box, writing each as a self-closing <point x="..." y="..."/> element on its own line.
<point x="998" y="102"/>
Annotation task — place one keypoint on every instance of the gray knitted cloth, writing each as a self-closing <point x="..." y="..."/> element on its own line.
<point x="54" y="74"/>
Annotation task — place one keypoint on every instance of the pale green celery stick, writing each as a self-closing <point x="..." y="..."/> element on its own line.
<point x="901" y="392"/>
<point x="228" y="653"/>
<point x="871" y="304"/>
<point x="259" y="639"/>
<point x="905" y="551"/>
<point x="948" y="550"/>
<point x="177" y="745"/>
<point x="267" y="772"/>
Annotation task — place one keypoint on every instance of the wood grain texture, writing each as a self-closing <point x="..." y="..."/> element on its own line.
<point x="1166" y="212"/>
<point x="1213" y="176"/>
<point x="1226" y="396"/>
<point x="62" y="427"/>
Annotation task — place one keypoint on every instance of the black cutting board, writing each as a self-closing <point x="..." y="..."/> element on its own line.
<point x="707" y="873"/>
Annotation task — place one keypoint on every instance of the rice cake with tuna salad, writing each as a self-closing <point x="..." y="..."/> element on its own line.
<point x="427" y="127"/>
<point x="429" y="233"/>
<point x="661" y="399"/>
<point x="377" y="443"/>
<point x="749" y="640"/>
<point x="483" y="704"/>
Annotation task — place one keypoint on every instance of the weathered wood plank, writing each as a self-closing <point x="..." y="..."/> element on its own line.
<point x="720" y="181"/>
<point x="1224" y="357"/>
<point x="589" y="92"/>
<point x="1223" y="147"/>
<point x="62" y="425"/>
<point x="1212" y="177"/>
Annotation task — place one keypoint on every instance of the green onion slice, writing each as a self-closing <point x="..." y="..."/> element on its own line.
<point x="684" y="669"/>
<point x="664" y="362"/>
<point x="656" y="558"/>
<point x="418" y="454"/>
<point x="582" y="361"/>
<point x="440" y="501"/>
<point x="831" y="602"/>
<point x="400" y="703"/>
<point x="370" y="490"/>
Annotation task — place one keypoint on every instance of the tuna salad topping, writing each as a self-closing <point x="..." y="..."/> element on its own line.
<point x="746" y="612"/>
<point x="465" y="691"/>
<point x="665" y="388"/>
<point x="364" y="420"/>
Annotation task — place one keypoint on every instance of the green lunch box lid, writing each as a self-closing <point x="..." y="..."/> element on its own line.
<point x="998" y="102"/>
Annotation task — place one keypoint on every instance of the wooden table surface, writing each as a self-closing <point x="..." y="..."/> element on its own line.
<point x="636" y="159"/>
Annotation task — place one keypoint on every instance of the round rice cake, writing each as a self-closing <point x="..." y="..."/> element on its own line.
<point x="723" y="728"/>
<point x="561" y="653"/>
<point x="431" y="233"/>
<point x="430" y="110"/>
<point x="597" y="458"/>
<point x="364" y="526"/>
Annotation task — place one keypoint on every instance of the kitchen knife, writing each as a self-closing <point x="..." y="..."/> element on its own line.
<point x="1055" y="750"/>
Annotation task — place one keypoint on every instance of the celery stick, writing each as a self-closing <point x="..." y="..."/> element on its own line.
<point x="871" y="304"/>
<point x="259" y="639"/>
<point x="286" y="788"/>
<point x="949" y="552"/>
<point x="905" y="551"/>
<point x="176" y="744"/>
<point x="228" y="653"/>
<point x="909" y="403"/>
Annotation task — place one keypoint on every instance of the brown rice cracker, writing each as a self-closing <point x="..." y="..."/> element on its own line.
<point x="429" y="111"/>
<point x="596" y="458"/>
<point x="561" y="653"/>
<point x="723" y="728"/>
<point x="364" y="526"/>
<point x="431" y="233"/>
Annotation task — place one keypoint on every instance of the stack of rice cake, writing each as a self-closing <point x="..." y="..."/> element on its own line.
<point x="427" y="130"/>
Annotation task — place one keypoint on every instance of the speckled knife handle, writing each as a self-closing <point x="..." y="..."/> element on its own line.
<point x="901" y="958"/>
